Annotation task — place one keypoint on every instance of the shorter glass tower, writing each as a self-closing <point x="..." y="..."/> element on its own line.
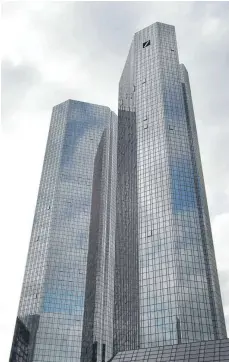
<point x="51" y="306"/>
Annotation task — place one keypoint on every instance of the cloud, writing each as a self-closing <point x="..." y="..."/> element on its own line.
<point x="17" y="81"/>
<point x="53" y="51"/>
<point x="220" y="229"/>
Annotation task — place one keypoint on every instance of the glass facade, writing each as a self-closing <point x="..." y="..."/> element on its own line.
<point x="52" y="299"/>
<point x="166" y="283"/>
<point x="204" y="351"/>
<point x="121" y="259"/>
<point x="97" y="339"/>
<point x="20" y="345"/>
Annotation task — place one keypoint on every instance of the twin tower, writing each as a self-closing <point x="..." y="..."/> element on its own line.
<point x="121" y="263"/>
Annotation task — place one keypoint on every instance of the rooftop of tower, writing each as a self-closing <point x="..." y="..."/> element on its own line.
<point x="154" y="24"/>
<point x="83" y="102"/>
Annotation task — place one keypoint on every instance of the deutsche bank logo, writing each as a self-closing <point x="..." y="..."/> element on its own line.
<point x="146" y="44"/>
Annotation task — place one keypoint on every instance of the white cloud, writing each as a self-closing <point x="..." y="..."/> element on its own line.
<point x="220" y="230"/>
<point x="210" y="26"/>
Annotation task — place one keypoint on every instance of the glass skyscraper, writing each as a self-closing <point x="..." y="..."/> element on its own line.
<point x="166" y="283"/>
<point x="121" y="263"/>
<point x="52" y="300"/>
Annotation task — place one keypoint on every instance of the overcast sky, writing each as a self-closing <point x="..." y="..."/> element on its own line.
<point x="56" y="51"/>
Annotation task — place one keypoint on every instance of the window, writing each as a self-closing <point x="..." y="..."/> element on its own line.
<point x="149" y="233"/>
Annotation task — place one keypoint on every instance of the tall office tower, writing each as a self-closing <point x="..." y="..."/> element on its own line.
<point x="166" y="284"/>
<point x="97" y="339"/>
<point x="50" y="315"/>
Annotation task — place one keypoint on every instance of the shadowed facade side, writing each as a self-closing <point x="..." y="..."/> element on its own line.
<point x="97" y="339"/>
